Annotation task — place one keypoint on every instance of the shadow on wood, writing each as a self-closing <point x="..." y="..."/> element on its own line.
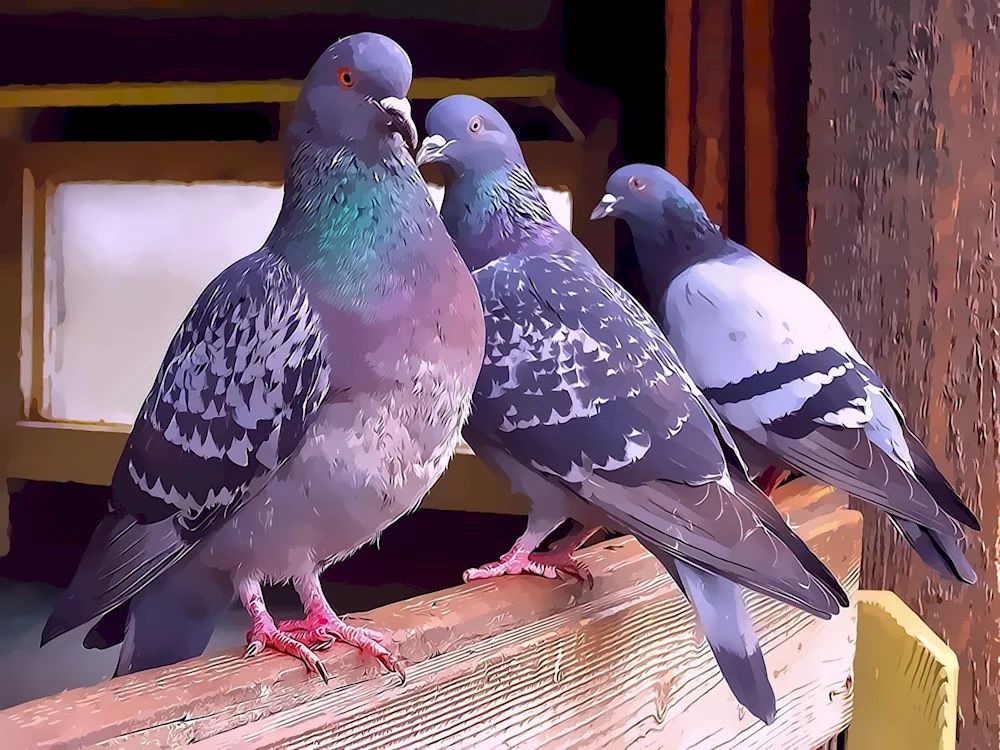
<point x="522" y="662"/>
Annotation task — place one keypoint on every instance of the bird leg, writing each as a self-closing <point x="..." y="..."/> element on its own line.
<point x="769" y="479"/>
<point x="265" y="634"/>
<point x="559" y="557"/>
<point x="321" y="626"/>
<point x="557" y="562"/>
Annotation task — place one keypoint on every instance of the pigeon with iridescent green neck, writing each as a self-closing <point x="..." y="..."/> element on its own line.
<point x="314" y="393"/>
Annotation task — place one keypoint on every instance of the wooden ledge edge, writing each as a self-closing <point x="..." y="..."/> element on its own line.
<point x="185" y="694"/>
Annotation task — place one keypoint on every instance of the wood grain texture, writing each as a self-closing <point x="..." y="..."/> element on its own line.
<point x="678" y="94"/>
<point x="761" y="136"/>
<point x="11" y="183"/>
<point x="905" y="678"/>
<point x="713" y="53"/>
<point x="522" y="662"/>
<point x="902" y="179"/>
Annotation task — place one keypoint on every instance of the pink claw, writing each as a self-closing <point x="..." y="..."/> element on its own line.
<point x="320" y="631"/>
<point x="544" y="564"/>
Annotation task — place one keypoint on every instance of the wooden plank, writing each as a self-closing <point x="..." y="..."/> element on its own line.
<point x="761" y="136"/>
<point x="905" y="254"/>
<point x="678" y="97"/>
<point x="11" y="186"/>
<point x="239" y="92"/>
<point x="713" y="31"/>
<point x="905" y="679"/>
<point x="489" y="661"/>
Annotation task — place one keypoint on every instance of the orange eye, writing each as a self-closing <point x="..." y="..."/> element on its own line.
<point x="345" y="77"/>
<point x="636" y="184"/>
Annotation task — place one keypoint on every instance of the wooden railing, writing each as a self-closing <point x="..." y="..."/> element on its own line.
<point x="520" y="662"/>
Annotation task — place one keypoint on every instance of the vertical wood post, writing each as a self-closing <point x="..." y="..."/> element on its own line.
<point x="904" y="137"/>
<point x="761" y="138"/>
<point x="713" y="54"/>
<point x="678" y="95"/>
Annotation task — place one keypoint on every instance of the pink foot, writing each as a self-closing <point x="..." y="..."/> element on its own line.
<point x="544" y="564"/>
<point x="319" y="631"/>
<point x="265" y="635"/>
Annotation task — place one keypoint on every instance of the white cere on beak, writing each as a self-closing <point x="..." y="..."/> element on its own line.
<point x="431" y="149"/>
<point x="401" y="119"/>
<point x="605" y="207"/>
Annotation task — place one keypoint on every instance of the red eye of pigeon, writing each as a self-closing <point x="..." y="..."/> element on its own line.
<point x="636" y="184"/>
<point x="345" y="77"/>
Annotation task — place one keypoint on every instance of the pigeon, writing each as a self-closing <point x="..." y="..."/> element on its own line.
<point x="582" y="405"/>
<point x="779" y="368"/>
<point x="312" y="395"/>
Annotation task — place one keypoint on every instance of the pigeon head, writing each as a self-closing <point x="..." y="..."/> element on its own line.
<point x="354" y="92"/>
<point x="645" y="196"/>
<point x="465" y="134"/>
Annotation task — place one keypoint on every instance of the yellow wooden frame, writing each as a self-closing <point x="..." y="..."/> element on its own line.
<point x="905" y="680"/>
<point x="540" y="88"/>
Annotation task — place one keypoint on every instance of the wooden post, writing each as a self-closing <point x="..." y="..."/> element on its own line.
<point x="713" y="48"/>
<point x="11" y="184"/>
<point x="902" y="174"/>
<point x="678" y="95"/>
<point x="761" y="149"/>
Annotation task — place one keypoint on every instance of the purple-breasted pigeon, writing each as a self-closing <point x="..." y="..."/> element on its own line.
<point x="314" y="393"/>
<point x="781" y="371"/>
<point x="582" y="404"/>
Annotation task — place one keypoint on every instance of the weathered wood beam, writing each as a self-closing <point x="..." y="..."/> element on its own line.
<point x="761" y="136"/>
<point x="519" y="662"/>
<point x="678" y="95"/>
<point x="713" y="57"/>
<point x="903" y="137"/>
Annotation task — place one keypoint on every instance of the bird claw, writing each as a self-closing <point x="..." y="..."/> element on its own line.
<point x="321" y="632"/>
<point x="544" y="564"/>
<point x="262" y="638"/>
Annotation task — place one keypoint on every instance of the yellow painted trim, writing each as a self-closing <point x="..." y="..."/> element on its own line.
<point x="239" y="92"/>
<point x="905" y="680"/>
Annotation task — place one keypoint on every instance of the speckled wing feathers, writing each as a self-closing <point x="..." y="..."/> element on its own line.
<point x="580" y="385"/>
<point x="237" y="388"/>
<point x="552" y="366"/>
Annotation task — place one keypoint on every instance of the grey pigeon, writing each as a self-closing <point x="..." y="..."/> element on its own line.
<point x="780" y="369"/>
<point x="314" y="393"/>
<point x="582" y="404"/>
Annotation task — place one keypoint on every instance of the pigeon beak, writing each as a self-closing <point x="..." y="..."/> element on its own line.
<point x="432" y="149"/>
<point x="401" y="120"/>
<point x="605" y="208"/>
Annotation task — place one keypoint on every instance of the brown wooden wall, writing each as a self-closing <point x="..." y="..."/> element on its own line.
<point x="736" y="92"/>
<point x="902" y="164"/>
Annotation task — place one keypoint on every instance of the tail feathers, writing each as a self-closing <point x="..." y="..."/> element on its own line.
<point x="939" y="487"/>
<point x="712" y="528"/>
<point x="173" y="618"/>
<point x="764" y="508"/>
<point x="123" y="557"/>
<point x="943" y="553"/>
<point x="730" y="634"/>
